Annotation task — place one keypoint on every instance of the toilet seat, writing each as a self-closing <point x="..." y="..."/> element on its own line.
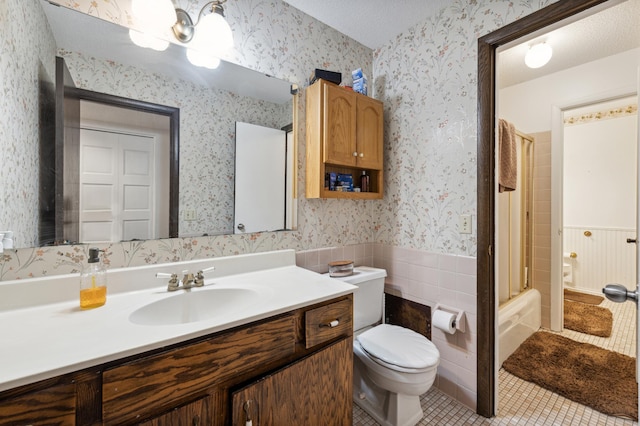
<point x="399" y="348"/>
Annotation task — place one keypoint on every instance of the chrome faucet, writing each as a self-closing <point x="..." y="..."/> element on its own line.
<point x="188" y="279"/>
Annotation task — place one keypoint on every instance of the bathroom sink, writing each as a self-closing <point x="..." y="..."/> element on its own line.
<point x="196" y="305"/>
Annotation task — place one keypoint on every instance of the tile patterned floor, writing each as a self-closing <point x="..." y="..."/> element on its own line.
<point x="523" y="403"/>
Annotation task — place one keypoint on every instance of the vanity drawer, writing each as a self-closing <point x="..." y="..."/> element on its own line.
<point x="328" y="322"/>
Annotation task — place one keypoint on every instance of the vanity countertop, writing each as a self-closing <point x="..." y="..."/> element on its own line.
<point x="49" y="339"/>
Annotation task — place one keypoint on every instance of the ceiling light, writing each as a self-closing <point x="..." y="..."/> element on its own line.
<point x="210" y="36"/>
<point x="152" y="17"/>
<point x="538" y="55"/>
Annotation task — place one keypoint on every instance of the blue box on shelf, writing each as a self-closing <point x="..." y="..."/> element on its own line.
<point x="330" y="179"/>
<point x="345" y="180"/>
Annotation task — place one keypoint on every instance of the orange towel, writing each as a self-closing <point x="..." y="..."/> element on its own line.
<point x="508" y="163"/>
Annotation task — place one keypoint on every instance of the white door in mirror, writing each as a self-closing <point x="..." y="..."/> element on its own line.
<point x="260" y="178"/>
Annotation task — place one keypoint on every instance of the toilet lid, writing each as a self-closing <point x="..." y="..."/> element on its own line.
<point x="399" y="346"/>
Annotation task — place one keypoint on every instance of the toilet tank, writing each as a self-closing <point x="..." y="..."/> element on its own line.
<point x="368" y="299"/>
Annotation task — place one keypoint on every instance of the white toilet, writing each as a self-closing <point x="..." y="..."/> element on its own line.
<point x="393" y="365"/>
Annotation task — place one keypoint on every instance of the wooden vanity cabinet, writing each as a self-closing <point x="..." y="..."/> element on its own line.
<point x="191" y="383"/>
<point x="344" y="133"/>
<point x="311" y="391"/>
<point x="197" y="413"/>
<point x="64" y="400"/>
<point x="56" y="404"/>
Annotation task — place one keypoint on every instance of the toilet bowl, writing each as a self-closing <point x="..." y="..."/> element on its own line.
<point x="393" y="365"/>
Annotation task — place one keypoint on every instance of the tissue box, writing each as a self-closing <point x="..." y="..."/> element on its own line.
<point x="332" y="76"/>
<point x="359" y="81"/>
<point x="360" y="85"/>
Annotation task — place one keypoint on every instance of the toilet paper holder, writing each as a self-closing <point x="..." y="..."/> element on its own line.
<point x="460" y="317"/>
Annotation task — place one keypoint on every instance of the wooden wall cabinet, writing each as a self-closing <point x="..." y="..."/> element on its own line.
<point x="345" y="134"/>
<point x="195" y="382"/>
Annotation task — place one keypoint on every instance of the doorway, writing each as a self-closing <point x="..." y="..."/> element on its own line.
<point x="599" y="189"/>
<point x="529" y="26"/>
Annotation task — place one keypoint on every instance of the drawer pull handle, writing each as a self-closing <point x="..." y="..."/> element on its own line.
<point x="334" y="323"/>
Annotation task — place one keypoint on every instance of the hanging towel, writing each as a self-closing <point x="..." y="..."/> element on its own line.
<point x="508" y="163"/>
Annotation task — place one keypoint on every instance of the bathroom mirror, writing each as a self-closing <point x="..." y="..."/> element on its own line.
<point x="101" y="59"/>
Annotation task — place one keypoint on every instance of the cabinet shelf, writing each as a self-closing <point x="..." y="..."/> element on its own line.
<point x="344" y="133"/>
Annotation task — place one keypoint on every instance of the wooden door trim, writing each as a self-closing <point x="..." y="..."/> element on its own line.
<point x="486" y="303"/>
<point x="174" y="139"/>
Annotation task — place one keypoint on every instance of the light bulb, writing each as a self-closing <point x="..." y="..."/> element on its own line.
<point x="538" y="55"/>
<point x="201" y="59"/>
<point x="213" y="34"/>
<point x="153" y="19"/>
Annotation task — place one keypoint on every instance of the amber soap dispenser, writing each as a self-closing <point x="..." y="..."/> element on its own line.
<point x="93" y="282"/>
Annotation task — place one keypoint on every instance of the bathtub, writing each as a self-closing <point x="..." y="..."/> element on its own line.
<point x="518" y="319"/>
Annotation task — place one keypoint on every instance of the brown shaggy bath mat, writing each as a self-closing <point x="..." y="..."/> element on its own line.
<point x="584" y="373"/>
<point x="577" y="296"/>
<point x="588" y="319"/>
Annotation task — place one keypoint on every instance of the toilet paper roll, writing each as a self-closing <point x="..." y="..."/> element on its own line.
<point x="445" y="321"/>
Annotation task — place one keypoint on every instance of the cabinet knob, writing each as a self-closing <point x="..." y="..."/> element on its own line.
<point x="361" y="155"/>
<point x="331" y="324"/>
<point x="355" y="154"/>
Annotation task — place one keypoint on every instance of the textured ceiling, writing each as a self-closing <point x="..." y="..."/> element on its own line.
<point x="370" y="22"/>
<point x="605" y="33"/>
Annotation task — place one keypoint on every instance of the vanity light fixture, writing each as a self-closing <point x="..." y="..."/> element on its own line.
<point x="212" y="37"/>
<point x="538" y="55"/>
<point x="153" y="18"/>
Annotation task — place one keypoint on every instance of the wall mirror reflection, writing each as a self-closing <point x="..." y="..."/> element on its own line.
<point x="190" y="192"/>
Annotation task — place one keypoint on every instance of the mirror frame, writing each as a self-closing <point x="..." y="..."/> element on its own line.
<point x="174" y="139"/>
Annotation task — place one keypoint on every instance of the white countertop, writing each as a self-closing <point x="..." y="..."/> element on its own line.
<point x="50" y="339"/>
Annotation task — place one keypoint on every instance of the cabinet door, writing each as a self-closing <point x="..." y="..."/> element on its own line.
<point x="197" y="413"/>
<point x="55" y="405"/>
<point x="339" y="126"/>
<point x="370" y="136"/>
<point x="316" y="390"/>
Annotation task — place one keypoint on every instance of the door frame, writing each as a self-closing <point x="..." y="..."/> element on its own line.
<point x="486" y="190"/>
<point x="174" y="139"/>
<point x="557" y="192"/>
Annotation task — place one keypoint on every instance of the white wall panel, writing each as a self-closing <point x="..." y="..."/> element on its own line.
<point x="603" y="258"/>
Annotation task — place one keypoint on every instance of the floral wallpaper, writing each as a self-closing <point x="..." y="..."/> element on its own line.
<point x="427" y="79"/>
<point x="25" y="52"/>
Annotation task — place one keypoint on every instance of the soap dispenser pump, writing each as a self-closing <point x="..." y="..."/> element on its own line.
<point x="93" y="282"/>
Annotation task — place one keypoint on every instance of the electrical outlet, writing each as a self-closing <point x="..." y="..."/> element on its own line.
<point x="464" y="227"/>
<point x="190" y="215"/>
